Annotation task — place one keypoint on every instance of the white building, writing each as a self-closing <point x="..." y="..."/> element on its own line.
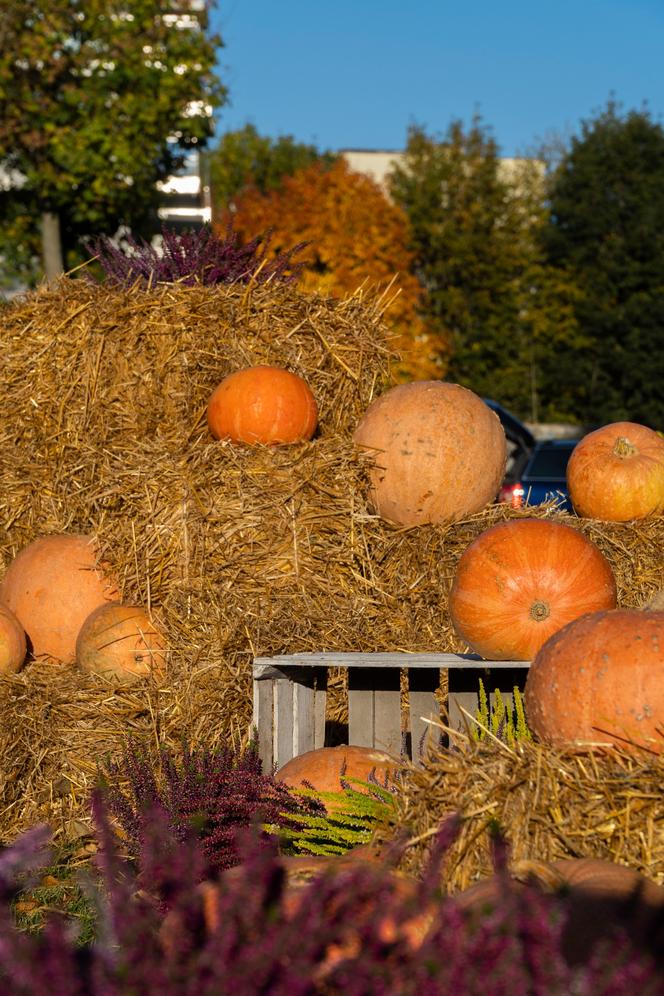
<point x="378" y="163"/>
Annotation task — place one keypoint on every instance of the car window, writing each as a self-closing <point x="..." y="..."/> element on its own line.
<point x="549" y="462"/>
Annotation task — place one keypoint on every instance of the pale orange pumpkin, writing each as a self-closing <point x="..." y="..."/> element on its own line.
<point x="262" y="404"/>
<point x="324" y="769"/>
<point x="13" y="647"/>
<point x="600" y="681"/>
<point x="438" y="453"/>
<point x="121" y="641"/>
<point x="616" y="473"/>
<point x="598" y="896"/>
<point x="520" y="581"/>
<point x="52" y="586"/>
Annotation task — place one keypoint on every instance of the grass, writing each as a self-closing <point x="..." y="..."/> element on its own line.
<point x="60" y="890"/>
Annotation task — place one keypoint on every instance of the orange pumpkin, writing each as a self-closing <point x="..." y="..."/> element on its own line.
<point x="262" y="404"/>
<point x="13" y="647"/>
<point x="438" y="453"/>
<point x="323" y="769"/>
<point x="598" y="896"/>
<point x="600" y="680"/>
<point x="121" y="641"/>
<point x="521" y="581"/>
<point x="617" y="473"/>
<point x="52" y="586"/>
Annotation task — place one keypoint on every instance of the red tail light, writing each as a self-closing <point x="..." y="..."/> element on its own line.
<point x="512" y="494"/>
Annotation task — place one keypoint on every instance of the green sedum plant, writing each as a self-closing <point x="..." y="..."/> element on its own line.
<point x="506" y="722"/>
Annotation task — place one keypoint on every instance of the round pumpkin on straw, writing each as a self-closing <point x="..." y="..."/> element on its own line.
<point x="438" y="453"/>
<point x="521" y="581"/>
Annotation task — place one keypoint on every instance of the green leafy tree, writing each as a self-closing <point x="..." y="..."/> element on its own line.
<point x="473" y="221"/>
<point x="607" y="226"/>
<point x="98" y="100"/>
<point x="243" y="158"/>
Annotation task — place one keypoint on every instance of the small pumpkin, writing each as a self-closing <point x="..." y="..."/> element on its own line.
<point x="600" y="681"/>
<point x="438" y="453"/>
<point x="616" y="473"/>
<point x="52" y="585"/>
<point x="121" y="641"/>
<point x="13" y="646"/>
<point x="326" y="768"/>
<point x="262" y="404"/>
<point x="520" y="581"/>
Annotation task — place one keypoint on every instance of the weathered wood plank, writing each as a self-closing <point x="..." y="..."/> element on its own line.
<point x="361" y="708"/>
<point x="264" y="723"/>
<point x="283" y="721"/>
<point x="387" y="709"/>
<point x="423" y="705"/>
<point x="269" y="667"/>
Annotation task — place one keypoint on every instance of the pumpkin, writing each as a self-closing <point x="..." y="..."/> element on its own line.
<point x="13" y="647"/>
<point x="121" y="641"/>
<point x="301" y="873"/>
<point x="520" y="581"/>
<point x="325" y="768"/>
<point x="616" y="473"/>
<point x="600" y="681"/>
<point x="262" y="404"/>
<point x="598" y="896"/>
<point x="52" y="586"/>
<point x="438" y="453"/>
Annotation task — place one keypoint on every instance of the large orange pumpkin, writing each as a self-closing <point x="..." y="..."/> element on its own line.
<point x="617" y="473"/>
<point x="262" y="404"/>
<point x="323" y="769"/>
<point x="600" y="680"/>
<point x="121" y="641"/>
<point x="438" y="453"/>
<point x="13" y="647"/>
<point x="520" y="581"/>
<point x="52" y="586"/>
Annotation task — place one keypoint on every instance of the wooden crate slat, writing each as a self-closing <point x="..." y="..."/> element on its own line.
<point x="423" y="705"/>
<point x="265" y="666"/>
<point x="264" y="722"/>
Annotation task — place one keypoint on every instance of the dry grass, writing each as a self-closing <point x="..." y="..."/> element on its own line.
<point x="549" y="804"/>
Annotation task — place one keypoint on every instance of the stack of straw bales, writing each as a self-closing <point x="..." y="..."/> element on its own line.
<point x="238" y="551"/>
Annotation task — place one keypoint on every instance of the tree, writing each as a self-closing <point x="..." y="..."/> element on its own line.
<point x="356" y="238"/>
<point x="244" y="158"/>
<point x="473" y="222"/>
<point x="90" y="93"/>
<point x="607" y="225"/>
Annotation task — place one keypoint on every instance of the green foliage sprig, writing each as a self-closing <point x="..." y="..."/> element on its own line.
<point x="507" y="722"/>
<point x="350" y="819"/>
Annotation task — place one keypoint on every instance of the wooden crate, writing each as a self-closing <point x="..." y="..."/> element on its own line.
<point x="290" y="692"/>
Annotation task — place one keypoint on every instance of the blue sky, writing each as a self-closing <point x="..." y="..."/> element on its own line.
<point x="356" y="73"/>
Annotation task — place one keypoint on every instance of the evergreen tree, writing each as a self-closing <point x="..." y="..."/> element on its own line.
<point x="473" y="223"/>
<point x="607" y="225"/>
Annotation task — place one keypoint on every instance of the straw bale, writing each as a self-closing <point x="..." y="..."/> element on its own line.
<point x="548" y="804"/>
<point x="240" y="551"/>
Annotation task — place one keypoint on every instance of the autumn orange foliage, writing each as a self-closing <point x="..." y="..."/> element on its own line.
<point x="357" y="238"/>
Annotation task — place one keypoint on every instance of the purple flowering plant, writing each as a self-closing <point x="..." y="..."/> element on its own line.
<point x="194" y="257"/>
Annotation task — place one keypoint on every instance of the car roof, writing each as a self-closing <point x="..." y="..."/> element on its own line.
<point x="514" y="428"/>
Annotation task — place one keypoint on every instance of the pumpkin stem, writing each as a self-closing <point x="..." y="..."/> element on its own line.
<point x="623" y="448"/>
<point x="539" y="611"/>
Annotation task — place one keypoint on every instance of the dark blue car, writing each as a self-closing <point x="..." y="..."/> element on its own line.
<point x="543" y="477"/>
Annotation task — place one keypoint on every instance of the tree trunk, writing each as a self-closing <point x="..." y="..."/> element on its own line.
<point x="51" y="245"/>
